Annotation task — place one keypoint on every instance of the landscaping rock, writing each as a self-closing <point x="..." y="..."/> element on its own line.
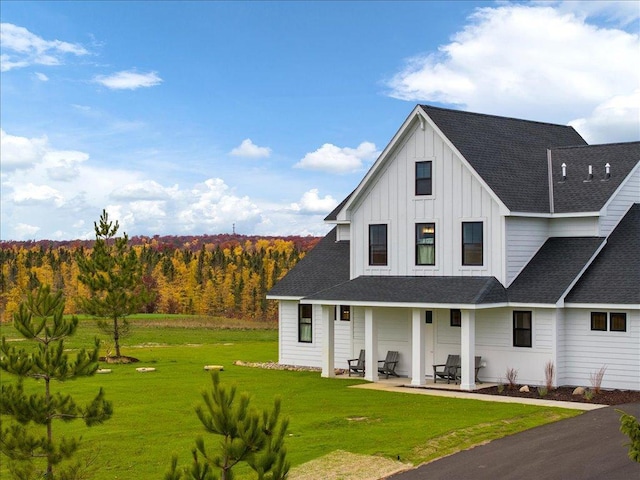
<point x="103" y="370"/>
<point x="218" y="368"/>
<point x="145" y="369"/>
<point x="524" y="389"/>
<point x="578" y="391"/>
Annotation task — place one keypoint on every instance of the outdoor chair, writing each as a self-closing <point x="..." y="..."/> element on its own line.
<point x="447" y="370"/>
<point x="356" y="365"/>
<point x="479" y="365"/>
<point x="388" y="365"/>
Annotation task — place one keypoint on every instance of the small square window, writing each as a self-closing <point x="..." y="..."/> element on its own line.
<point x="618" y="322"/>
<point x="455" y="318"/>
<point x="599" y="321"/>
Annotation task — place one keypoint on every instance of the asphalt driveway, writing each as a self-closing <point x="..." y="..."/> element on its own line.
<point x="587" y="447"/>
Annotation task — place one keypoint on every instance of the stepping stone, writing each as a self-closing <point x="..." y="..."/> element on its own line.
<point x="103" y="370"/>
<point x="145" y="369"/>
<point x="219" y="368"/>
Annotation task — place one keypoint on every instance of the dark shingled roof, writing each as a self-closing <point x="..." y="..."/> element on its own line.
<point x="552" y="270"/>
<point x="508" y="153"/>
<point x="393" y="289"/>
<point x="576" y="195"/>
<point x="614" y="276"/>
<point x="326" y="265"/>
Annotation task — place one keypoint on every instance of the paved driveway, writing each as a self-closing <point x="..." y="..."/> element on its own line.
<point x="587" y="447"/>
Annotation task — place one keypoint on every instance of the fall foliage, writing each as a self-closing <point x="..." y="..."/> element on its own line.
<point x="222" y="275"/>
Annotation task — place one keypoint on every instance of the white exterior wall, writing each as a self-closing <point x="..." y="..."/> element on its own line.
<point x="620" y="204"/>
<point x="343" y="233"/>
<point x="457" y="197"/>
<point x="574" y="227"/>
<point x="524" y="237"/>
<point x="586" y="351"/>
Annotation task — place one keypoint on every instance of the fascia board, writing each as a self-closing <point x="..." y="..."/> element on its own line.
<point x="462" y="306"/>
<point x="283" y="297"/>
<point x="604" y="306"/>
<point x="554" y="215"/>
<point x="342" y="215"/>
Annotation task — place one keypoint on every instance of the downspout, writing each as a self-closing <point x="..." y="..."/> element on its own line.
<point x="550" y="172"/>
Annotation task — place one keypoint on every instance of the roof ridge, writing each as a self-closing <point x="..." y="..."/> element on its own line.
<point x="426" y="106"/>
<point x="567" y="147"/>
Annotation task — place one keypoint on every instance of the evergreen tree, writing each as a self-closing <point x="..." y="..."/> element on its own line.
<point x="113" y="275"/>
<point x="40" y="320"/>
<point x="630" y="426"/>
<point x="255" y="438"/>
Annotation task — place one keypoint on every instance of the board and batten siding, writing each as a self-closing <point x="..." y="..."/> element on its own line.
<point x="457" y="197"/>
<point x="618" y="206"/>
<point x="585" y="352"/>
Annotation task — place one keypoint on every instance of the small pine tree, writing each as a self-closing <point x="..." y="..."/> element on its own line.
<point x="113" y="274"/>
<point x="255" y="438"/>
<point x="630" y="426"/>
<point x="40" y="320"/>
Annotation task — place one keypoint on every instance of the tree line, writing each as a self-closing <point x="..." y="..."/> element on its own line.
<point x="221" y="275"/>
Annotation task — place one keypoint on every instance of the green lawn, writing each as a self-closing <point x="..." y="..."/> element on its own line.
<point x="154" y="412"/>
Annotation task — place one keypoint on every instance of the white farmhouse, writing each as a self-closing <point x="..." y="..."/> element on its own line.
<point x="478" y="235"/>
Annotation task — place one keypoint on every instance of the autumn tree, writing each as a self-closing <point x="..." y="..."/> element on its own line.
<point x="247" y="436"/>
<point x="113" y="275"/>
<point x="40" y="320"/>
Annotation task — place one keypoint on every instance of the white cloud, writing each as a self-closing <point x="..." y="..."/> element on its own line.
<point x="20" y="152"/>
<point x="621" y="12"/>
<point x="143" y="190"/>
<point x="41" y="76"/>
<point x="31" y="194"/>
<point x="64" y="165"/>
<point x="25" y="231"/>
<point x="128" y="80"/>
<point x="333" y="159"/>
<point x="527" y="61"/>
<point x="21" y="48"/>
<point x="250" y="150"/>
<point x="312" y="203"/>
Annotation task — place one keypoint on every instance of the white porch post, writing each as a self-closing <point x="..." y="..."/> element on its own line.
<point x="418" y="372"/>
<point x="328" y="370"/>
<point x="371" y="346"/>
<point x="468" y="350"/>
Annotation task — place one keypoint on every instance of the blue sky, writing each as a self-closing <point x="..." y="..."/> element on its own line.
<point x="192" y="117"/>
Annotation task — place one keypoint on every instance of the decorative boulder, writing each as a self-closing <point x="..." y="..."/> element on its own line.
<point x="524" y="389"/>
<point x="145" y="369"/>
<point x="218" y="368"/>
<point x="103" y="370"/>
<point x="578" y="391"/>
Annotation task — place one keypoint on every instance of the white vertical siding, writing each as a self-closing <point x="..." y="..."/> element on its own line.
<point x="586" y="351"/>
<point x="457" y="196"/>
<point x="343" y="233"/>
<point x="524" y="237"/>
<point x="618" y="205"/>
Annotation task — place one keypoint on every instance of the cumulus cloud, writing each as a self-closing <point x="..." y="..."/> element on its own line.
<point x="128" y="80"/>
<point x="250" y="150"/>
<point x="31" y="194"/>
<point x="64" y="165"/>
<point x="311" y="203"/>
<point x="20" y="152"/>
<point x="143" y="190"/>
<point x="527" y="61"/>
<point x="333" y="159"/>
<point x="41" y="76"/>
<point x="21" y="48"/>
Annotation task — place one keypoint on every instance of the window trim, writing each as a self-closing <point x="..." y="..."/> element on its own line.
<point x="418" y="227"/>
<point x="517" y="329"/>
<point x="463" y="244"/>
<point x="455" y="317"/>
<point x="372" y="245"/>
<point x="305" y="321"/>
<point x="594" y="327"/>
<point x="345" y="309"/>
<point x="421" y="181"/>
<point x="623" y="316"/>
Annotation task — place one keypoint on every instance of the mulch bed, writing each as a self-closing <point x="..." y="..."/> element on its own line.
<point x="565" y="394"/>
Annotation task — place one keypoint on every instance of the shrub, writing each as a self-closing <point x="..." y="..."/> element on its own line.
<point x="596" y="379"/>
<point x="629" y="426"/>
<point x="549" y="372"/>
<point x="543" y="391"/>
<point x="512" y="377"/>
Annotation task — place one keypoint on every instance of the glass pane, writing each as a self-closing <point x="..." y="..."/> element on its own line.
<point x="425" y="244"/>
<point x="618" y="322"/>
<point x="305" y="332"/>
<point x="598" y="321"/>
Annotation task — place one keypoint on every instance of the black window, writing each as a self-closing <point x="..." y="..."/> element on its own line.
<point x="425" y="244"/>
<point x="305" y="323"/>
<point x="428" y="316"/>
<point x="377" y="244"/>
<point x="472" y="242"/>
<point x="423" y="178"/>
<point x="455" y="318"/>
<point x="345" y="313"/>
<point x="599" y="321"/>
<point x="521" y="329"/>
<point x="618" y="322"/>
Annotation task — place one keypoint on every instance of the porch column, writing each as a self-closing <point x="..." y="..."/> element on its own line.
<point x="371" y="346"/>
<point x="328" y="370"/>
<point x="418" y="348"/>
<point x="468" y="350"/>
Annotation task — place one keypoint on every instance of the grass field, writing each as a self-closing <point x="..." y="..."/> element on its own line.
<point x="154" y="412"/>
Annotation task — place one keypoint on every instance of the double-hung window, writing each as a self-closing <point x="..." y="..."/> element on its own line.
<point x="472" y="243"/>
<point x="305" y="323"/>
<point x="522" y="328"/>
<point x="425" y="244"/>
<point x="423" y="178"/>
<point x="378" y="244"/>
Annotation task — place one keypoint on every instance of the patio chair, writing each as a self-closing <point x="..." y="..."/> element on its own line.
<point x="478" y="366"/>
<point x="388" y="365"/>
<point x="356" y="365"/>
<point x="447" y="370"/>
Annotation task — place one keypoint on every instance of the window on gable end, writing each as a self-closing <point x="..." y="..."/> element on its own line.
<point x="378" y="244"/>
<point x="472" y="243"/>
<point x="423" y="178"/>
<point x="425" y="244"/>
